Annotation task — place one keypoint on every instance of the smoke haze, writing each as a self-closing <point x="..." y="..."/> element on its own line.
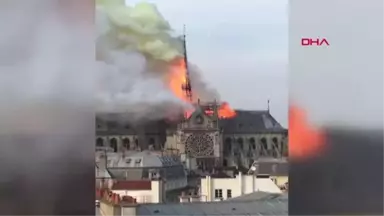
<point x="136" y="50"/>
<point x="46" y="85"/>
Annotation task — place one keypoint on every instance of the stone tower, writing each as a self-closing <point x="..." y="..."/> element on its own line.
<point x="199" y="138"/>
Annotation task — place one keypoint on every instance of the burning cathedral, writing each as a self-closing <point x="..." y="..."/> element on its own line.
<point x="208" y="136"/>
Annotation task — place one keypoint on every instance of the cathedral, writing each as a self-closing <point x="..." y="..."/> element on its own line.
<point x="202" y="140"/>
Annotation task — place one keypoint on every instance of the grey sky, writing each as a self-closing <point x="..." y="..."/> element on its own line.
<point x="240" y="46"/>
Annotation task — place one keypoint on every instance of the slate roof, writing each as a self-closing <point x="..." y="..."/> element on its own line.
<point x="245" y="121"/>
<point x="258" y="195"/>
<point x="141" y="159"/>
<point x="250" y="208"/>
<point x="136" y="165"/>
<point x="273" y="167"/>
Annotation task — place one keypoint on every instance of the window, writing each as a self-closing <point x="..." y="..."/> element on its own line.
<point x="128" y="161"/>
<point x="229" y="193"/>
<point x="218" y="193"/>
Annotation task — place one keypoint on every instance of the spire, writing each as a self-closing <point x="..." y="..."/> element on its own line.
<point x="187" y="88"/>
<point x="268" y="104"/>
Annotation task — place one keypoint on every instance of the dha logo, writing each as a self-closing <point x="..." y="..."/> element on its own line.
<point x="314" y="42"/>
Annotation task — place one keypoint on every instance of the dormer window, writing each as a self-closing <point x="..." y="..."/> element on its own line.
<point x="137" y="162"/>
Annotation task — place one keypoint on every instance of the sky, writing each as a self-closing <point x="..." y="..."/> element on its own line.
<point x="241" y="47"/>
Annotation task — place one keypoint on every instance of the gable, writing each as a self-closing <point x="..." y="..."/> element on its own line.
<point x="199" y="120"/>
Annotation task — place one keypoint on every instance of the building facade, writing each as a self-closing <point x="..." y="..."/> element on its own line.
<point x="202" y="140"/>
<point x="218" y="189"/>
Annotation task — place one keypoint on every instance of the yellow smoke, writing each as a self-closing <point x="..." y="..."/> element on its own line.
<point x="140" y="28"/>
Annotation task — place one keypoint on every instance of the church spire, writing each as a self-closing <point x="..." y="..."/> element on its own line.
<point x="187" y="88"/>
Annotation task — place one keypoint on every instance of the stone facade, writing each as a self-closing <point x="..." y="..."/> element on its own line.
<point x="202" y="140"/>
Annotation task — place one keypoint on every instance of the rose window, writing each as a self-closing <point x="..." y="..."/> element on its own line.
<point x="199" y="145"/>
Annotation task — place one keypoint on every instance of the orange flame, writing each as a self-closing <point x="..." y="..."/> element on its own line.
<point x="304" y="140"/>
<point x="177" y="78"/>
<point x="225" y="111"/>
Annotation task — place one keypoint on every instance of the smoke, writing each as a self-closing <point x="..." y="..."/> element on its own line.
<point x="136" y="48"/>
<point x="46" y="89"/>
<point x="201" y="89"/>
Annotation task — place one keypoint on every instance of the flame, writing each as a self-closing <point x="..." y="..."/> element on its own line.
<point x="225" y="111"/>
<point x="177" y="78"/>
<point x="304" y="140"/>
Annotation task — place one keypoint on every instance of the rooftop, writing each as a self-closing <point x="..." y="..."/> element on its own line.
<point x="134" y="159"/>
<point x="245" y="121"/>
<point x="250" y="208"/>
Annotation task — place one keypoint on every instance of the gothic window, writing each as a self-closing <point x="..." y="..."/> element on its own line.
<point x="228" y="144"/>
<point x="126" y="143"/>
<point x="199" y="145"/>
<point x="225" y="163"/>
<point x="264" y="146"/>
<point x="252" y="143"/>
<point x="240" y="142"/>
<point x="275" y="147"/>
<point x="113" y="144"/>
<point x="137" y="143"/>
<point x="264" y="143"/>
<point x="284" y="148"/>
<point x="99" y="142"/>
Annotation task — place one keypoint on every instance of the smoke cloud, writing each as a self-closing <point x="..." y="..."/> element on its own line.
<point x="136" y="49"/>
<point x="46" y="109"/>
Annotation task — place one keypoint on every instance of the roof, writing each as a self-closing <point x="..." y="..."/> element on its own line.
<point x="258" y="195"/>
<point x="273" y="167"/>
<point x="132" y="185"/>
<point x="254" y="207"/>
<point x="247" y="121"/>
<point x="107" y="124"/>
<point x="101" y="172"/>
<point x="141" y="159"/>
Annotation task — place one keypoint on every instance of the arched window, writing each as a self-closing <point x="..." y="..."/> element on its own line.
<point x="240" y="143"/>
<point x="264" y="143"/>
<point x="252" y="143"/>
<point x="99" y="142"/>
<point x="225" y="163"/>
<point x="228" y="144"/>
<point x="275" y="147"/>
<point x="126" y="143"/>
<point x="113" y="144"/>
<point x="263" y="147"/>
